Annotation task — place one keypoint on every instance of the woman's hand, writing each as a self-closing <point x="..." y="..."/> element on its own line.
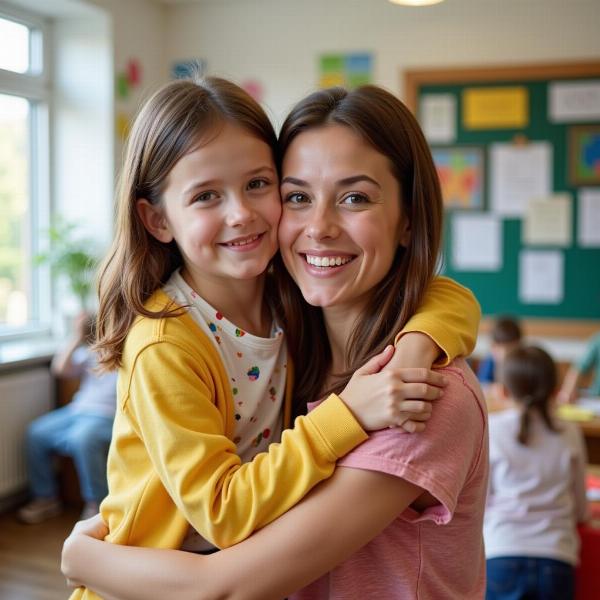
<point x="392" y="398"/>
<point x="94" y="528"/>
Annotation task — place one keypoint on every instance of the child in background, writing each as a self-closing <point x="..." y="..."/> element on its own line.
<point x="506" y="336"/>
<point x="536" y="489"/>
<point x="82" y="430"/>
<point x="589" y="362"/>
<point x="188" y="314"/>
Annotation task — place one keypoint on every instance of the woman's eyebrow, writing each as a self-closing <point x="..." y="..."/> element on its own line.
<point x="356" y="179"/>
<point x="345" y="181"/>
<point x="295" y="181"/>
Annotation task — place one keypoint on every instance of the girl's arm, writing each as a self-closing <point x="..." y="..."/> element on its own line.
<point x="449" y="316"/>
<point x="337" y="518"/>
<point x="197" y="464"/>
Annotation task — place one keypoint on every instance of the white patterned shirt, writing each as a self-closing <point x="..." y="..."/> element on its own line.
<point x="257" y="370"/>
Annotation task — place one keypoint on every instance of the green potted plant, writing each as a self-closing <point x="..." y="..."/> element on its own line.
<point x="70" y="256"/>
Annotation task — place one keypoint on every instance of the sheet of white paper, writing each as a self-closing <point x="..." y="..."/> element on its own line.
<point x="476" y="242"/>
<point x="548" y="221"/>
<point x="574" y="101"/>
<point x="588" y="229"/>
<point x="438" y="117"/>
<point x="541" y="276"/>
<point x="518" y="174"/>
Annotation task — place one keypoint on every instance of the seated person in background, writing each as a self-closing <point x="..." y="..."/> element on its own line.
<point x="82" y="430"/>
<point x="536" y="490"/>
<point x="590" y="361"/>
<point x="505" y="337"/>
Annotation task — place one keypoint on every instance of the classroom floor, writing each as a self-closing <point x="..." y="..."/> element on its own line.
<point x="30" y="557"/>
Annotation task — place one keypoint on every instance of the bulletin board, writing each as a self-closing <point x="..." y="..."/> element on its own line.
<point x="551" y="107"/>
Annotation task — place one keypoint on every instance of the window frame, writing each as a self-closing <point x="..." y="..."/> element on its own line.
<point x="34" y="86"/>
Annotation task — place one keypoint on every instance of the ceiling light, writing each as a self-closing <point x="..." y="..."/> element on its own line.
<point x="416" y="2"/>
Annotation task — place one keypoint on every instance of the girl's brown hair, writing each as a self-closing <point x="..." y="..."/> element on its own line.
<point x="529" y="374"/>
<point x="390" y="128"/>
<point x="171" y="123"/>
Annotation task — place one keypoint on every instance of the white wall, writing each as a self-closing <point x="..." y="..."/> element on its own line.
<point x="278" y="41"/>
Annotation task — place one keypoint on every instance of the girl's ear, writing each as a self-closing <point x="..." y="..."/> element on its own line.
<point x="154" y="220"/>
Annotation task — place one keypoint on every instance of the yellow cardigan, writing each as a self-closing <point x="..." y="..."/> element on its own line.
<point x="172" y="461"/>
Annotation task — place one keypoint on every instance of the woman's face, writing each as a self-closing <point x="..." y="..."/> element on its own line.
<point x="342" y="220"/>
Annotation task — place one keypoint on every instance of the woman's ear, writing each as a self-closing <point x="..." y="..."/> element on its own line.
<point x="404" y="233"/>
<point x="154" y="220"/>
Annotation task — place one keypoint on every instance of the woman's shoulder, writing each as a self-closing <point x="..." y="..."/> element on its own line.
<point x="462" y="382"/>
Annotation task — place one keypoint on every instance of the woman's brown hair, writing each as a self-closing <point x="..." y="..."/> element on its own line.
<point x="529" y="375"/>
<point x="170" y="124"/>
<point x="389" y="127"/>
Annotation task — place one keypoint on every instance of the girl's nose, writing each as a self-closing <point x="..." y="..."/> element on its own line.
<point x="239" y="211"/>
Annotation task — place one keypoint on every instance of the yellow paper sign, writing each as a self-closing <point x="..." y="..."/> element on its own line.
<point x="495" y="108"/>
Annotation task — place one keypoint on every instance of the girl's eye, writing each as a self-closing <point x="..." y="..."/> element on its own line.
<point x="205" y="197"/>
<point x="354" y="199"/>
<point x="296" y="198"/>
<point x="257" y="184"/>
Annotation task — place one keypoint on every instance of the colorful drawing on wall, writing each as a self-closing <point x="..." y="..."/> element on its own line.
<point x="122" y="125"/>
<point x="186" y="69"/>
<point x="584" y="155"/>
<point x="346" y="70"/>
<point x="254" y="88"/>
<point x="131" y="77"/>
<point x="460" y="170"/>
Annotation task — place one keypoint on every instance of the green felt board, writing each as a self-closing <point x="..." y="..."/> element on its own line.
<point x="498" y="291"/>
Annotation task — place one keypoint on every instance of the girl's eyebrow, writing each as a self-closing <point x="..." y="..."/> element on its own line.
<point x="341" y="182"/>
<point x="208" y="182"/>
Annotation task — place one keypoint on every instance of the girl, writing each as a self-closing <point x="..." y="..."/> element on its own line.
<point x="537" y="487"/>
<point x="359" y="234"/>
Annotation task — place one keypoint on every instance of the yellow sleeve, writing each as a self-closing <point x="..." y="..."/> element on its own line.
<point x="171" y="405"/>
<point x="450" y="316"/>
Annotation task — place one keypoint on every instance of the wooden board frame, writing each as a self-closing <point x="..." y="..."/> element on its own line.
<point x="413" y="79"/>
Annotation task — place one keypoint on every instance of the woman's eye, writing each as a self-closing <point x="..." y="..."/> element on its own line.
<point x="296" y="198"/>
<point x="257" y="184"/>
<point x="354" y="199"/>
<point x="205" y="197"/>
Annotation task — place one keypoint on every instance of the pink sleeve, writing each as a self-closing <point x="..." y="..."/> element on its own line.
<point x="439" y="460"/>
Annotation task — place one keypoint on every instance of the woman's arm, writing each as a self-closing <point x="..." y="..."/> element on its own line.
<point x="337" y="518"/>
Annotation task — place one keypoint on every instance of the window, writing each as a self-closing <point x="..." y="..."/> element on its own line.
<point x="24" y="159"/>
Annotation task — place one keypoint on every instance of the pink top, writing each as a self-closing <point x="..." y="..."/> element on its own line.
<point x="438" y="553"/>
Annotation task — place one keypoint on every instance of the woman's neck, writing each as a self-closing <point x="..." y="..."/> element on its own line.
<point x="339" y="323"/>
<point x="241" y="301"/>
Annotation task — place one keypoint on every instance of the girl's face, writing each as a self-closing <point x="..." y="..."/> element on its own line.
<point x="221" y="205"/>
<point x="342" y="220"/>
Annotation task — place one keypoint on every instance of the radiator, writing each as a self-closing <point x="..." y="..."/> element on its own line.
<point x="23" y="396"/>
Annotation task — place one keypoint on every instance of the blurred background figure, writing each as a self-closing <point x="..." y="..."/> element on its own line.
<point x="536" y="493"/>
<point x="505" y="336"/>
<point x="81" y="430"/>
<point x="588" y="364"/>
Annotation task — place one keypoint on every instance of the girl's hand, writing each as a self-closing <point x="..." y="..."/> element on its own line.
<point x="95" y="528"/>
<point x="394" y="398"/>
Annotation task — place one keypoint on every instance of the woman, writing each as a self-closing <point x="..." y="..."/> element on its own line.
<point x="360" y="236"/>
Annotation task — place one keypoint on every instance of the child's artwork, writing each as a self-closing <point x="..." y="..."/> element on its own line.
<point x="186" y="69"/>
<point x="345" y="70"/>
<point x="584" y="155"/>
<point x="460" y="170"/>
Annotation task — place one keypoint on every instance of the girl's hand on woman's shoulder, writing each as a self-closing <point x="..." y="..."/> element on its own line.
<point x="398" y="397"/>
